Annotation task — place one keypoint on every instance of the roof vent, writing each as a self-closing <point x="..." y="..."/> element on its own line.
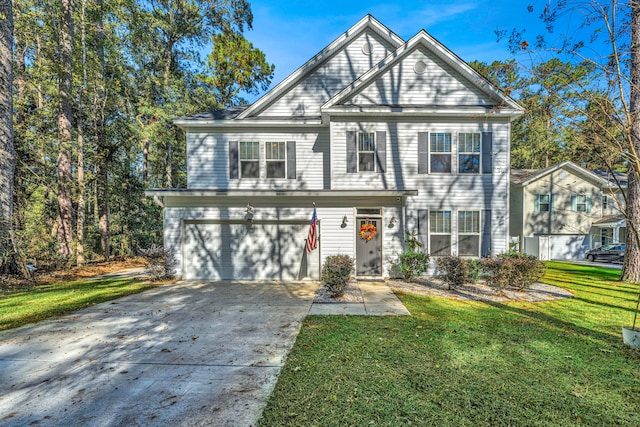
<point x="419" y="67"/>
<point x="367" y="48"/>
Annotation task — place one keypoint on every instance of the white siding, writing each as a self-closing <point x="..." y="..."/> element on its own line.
<point x="333" y="75"/>
<point x="438" y="85"/>
<point x="208" y="159"/>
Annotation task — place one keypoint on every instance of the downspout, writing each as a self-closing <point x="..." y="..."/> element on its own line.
<point x="524" y="195"/>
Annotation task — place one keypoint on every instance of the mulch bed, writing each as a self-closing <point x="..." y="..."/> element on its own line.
<point x="433" y="286"/>
<point x="351" y="294"/>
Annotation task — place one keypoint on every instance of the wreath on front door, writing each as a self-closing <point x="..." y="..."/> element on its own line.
<point x="368" y="231"/>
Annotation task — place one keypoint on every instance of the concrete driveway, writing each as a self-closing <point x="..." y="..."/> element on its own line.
<point x="194" y="353"/>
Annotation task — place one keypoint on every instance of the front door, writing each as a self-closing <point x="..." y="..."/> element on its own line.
<point x="369" y="252"/>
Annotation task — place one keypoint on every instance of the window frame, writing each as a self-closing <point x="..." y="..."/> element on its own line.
<point x="359" y="136"/>
<point x="437" y="232"/>
<point x="477" y="154"/>
<point x="464" y="232"/>
<point x="267" y="160"/>
<point x="249" y="160"/>
<point x="433" y="153"/>
<point x="584" y="203"/>
<point x="538" y="202"/>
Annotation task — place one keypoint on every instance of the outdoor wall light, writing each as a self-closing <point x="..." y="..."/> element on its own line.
<point x="249" y="211"/>
<point x="344" y="222"/>
<point x="392" y="222"/>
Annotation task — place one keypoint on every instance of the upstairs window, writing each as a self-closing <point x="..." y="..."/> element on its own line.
<point x="605" y="202"/>
<point x="580" y="203"/>
<point x="440" y="152"/>
<point x="366" y="152"/>
<point x="469" y="233"/>
<point x="440" y="233"/>
<point x="469" y="153"/>
<point x="276" y="159"/>
<point x="249" y="159"/>
<point x="543" y="203"/>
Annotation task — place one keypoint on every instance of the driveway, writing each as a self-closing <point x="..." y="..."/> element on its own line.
<point x="194" y="353"/>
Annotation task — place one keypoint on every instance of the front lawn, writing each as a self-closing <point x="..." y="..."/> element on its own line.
<point x="462" y="363"/>
<point x="25" y="306"/>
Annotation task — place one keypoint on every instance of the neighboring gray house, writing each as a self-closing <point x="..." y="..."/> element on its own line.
<point x="402" y="135"/>
<point x="562" y="211"/>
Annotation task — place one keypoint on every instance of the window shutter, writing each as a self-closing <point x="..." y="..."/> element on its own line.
<point x="381" y="152"/>
<point x="588" y="203"/>
<point x="536" y="203"/>
<point x="574" y="203"/>
<point x="551" y="203"/>
<point x="423" y="152"/>
<point x="485" y="249"/>
<point x="234" y="172"/>
<point x="352" y="152"/>
<point x="291" y="160"/>
<point x="423" y="229"/>
<point x="487" y="152"/>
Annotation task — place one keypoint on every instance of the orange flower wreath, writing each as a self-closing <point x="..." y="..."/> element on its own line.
<point x="368" y="231"/>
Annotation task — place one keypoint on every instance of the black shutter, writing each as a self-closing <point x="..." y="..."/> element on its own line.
<point x="291" y="160"/>
<point x="352" y="152"/>
<point x="485" y="250"/>
<point x="487" y="152"/>
<point x="423" y="229"/>
<point x="381" y="152"/>
<point x="234" y="173"/>
<point x="423" y="152"/>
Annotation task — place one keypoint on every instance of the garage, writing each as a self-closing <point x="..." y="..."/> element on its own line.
<point x="243" y="250"/>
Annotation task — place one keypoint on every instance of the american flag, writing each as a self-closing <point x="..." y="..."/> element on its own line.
<point x="312" y="240"/>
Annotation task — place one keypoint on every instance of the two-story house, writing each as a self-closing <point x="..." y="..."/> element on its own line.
<point x="562" y="211"/>
<point x="379" y="133"/>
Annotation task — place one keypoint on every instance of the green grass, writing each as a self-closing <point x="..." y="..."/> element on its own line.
<point x="457" y="363"/>
<point x="41" y="302"/>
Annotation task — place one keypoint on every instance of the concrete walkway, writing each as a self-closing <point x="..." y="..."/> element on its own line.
<point x="378" y="300"/>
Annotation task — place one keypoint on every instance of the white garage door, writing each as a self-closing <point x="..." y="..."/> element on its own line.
<point x="244" y="251"/>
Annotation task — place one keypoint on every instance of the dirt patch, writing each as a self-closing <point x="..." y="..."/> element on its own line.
<point x="17" y="283"/>
<point x="479" y="291"/>
<point x="351" y="294"/>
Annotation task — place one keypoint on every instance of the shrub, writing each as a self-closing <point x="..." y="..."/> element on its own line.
<point x="475" y="270"/>
<point x="336" y="272"/>
<point x="456" y="270"/>
<point x="513" y="269"/>
<point x="413" y="264"/>
<point x="497" y="273"/>
<point x="160" y="262"/>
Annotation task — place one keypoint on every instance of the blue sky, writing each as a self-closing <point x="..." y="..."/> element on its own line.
<point x="291" y="32"/>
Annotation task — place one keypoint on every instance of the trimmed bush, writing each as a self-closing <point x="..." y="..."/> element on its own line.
<point x="160" y="262"/>
<point x="413" y="264"/>
<point x="513" y="269"/>
<point x="475" y="270"/>
<point x="336" y="272"/>
<point x="456" y="270"/>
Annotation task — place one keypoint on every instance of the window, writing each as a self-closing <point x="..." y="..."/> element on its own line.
<point x="543" y="203"/>
<point x="469" y="233"/>
<point x="605" y="202"/>
<point x="440" y="151"/>
<point x="469" y="153"/>
<point x="275" y="158"/>
<point x="440" y="233"/>
<point x="366" y="152"/>
<point x="249" y="159"/>
<point x="580" y="203"/>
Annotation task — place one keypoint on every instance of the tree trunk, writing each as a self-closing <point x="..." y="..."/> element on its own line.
<point x="80" y="126"/>
<point x="631" y="267"/>
<point x="7" y="150"/>
<point x="65" y="117"/>
<point x="145" y="160"/>
<point x="103" y="208"/>
<point x="103" y="158"/>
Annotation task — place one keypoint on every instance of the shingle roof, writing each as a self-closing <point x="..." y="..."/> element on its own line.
<point x="226" y="114"/>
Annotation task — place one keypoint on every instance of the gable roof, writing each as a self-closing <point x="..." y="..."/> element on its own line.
<point x="524" y="177"/>
<point x="508" y="105"/>
<point x="368" y="22"/>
